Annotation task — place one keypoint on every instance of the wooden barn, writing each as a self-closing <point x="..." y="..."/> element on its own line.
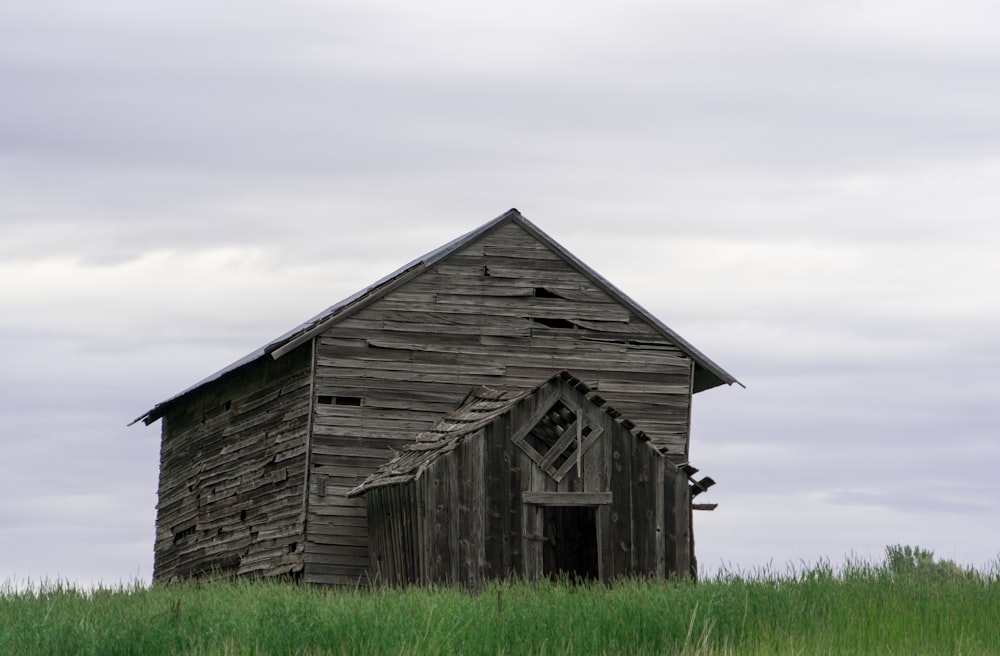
<point x="532" y="483"/>
<point x="257" y="461"/>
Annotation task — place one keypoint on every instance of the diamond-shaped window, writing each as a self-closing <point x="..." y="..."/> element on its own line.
<point x="555" y="438"/>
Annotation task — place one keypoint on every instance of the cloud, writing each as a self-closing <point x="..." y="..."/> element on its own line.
<point x="806" y="192"/>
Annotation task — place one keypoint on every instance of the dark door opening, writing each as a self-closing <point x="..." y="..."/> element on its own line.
<point x="570" y="546"/>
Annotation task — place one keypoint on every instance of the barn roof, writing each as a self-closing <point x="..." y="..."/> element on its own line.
<point x="707" y="373"/>
<point x="479" y="409"/>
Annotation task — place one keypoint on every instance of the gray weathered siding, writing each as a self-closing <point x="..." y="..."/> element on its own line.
<point x="232" y="463"/>
<point x="505" y="310"/>
<point x="477" y="511"/>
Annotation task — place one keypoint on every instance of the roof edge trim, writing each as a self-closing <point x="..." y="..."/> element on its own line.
<point x="700" y="358"/>
<point x="392" y="281"/>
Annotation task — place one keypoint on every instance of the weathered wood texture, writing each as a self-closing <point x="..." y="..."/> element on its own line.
<point x="231" y="472"/>
<point x="505" y="310"/>
<point x="256" y="463"/>
<point x="486" y="498"/>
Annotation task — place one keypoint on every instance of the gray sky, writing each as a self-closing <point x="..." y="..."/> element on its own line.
<point x="806" y="191"/>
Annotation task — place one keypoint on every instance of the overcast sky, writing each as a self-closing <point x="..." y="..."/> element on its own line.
<point x="807" y="191"/>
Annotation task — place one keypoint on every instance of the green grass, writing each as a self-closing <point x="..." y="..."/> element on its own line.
<point x="910" y="604"/>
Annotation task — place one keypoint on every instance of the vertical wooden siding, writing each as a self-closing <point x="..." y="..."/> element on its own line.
<point x="231" y="472"/>
<point x="476" y="522"/>
<point x="505" y="310"/>
<point x="393" y="535"/>
<point x="677" y="503"/>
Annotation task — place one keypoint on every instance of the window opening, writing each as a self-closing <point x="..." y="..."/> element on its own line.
<point x="546" y="434"/>
<point x="555" y="440"/>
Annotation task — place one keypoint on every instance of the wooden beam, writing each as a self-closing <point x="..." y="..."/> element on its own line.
<point x="567" y="498"/>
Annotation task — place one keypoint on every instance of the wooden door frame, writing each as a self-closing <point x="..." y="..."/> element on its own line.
<point x="533" y="529"/>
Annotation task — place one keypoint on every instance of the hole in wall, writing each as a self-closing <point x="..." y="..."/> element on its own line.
<point x="329" y="399"/>
<point x="543" y="292"/>
<point x="184" y="533"/>
<point x="553" y="323"/>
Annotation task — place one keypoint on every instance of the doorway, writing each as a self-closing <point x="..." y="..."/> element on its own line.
<point x="570" y="543"/>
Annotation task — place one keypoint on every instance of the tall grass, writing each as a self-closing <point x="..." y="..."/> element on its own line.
<point x="906" y="605"/>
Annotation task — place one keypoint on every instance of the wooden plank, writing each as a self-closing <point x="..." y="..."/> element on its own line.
<point x="659" y="480"/>
<point x="341" y="526"/>
<point x="527" y="306"/>
<point x="339" y="511"/>
<point x="452" y="465"/>
<point x="568" y="437"/>
<point x="567" y="498"/>
<point x="341" y="538"/>
<point x="570" y="463"/>
<point x="638" y="387"/>
<point x="496" y="497"/>
<point x="532" y="533"/>
<point x="621" y="505"/>
<point x="685" y="556"/>
<point x="499" y="325"/>
<point x="424" y="527"/>
<point x="675" y="495"/>
<point x="396" y="535"/>
<point x="643" y="510"/>
<point x="443" y="474"/>
<point x="353" y="564"/>
<point x="390" y="368"/>
<point x="532" y="542"/>
<point x="376" y="539"/>
<point x="513" y="546"/>
<point x="470" y="507"/>
<point x="410" y="531"/>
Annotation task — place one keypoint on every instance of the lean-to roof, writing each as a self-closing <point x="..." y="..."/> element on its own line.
<point x="481" y="407"/>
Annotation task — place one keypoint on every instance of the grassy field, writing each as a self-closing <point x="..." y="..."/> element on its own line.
<point x="910" y="604"/>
